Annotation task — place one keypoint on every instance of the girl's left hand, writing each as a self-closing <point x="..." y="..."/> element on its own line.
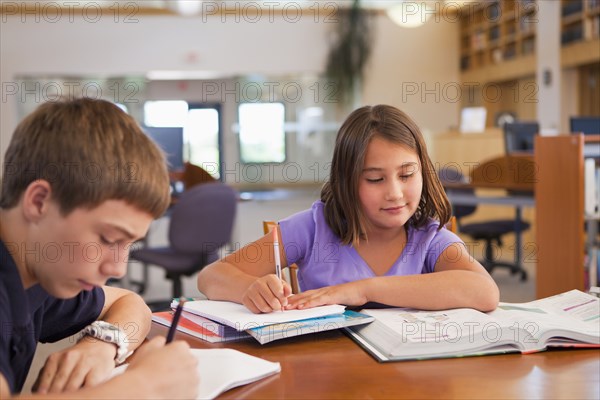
<point x="350" y="294"/>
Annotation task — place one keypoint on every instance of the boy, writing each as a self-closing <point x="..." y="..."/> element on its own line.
<point x="81" y="183"/>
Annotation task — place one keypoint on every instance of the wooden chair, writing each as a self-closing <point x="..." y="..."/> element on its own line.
<point x="451" y="225"/>
<point x="290" y="273"/>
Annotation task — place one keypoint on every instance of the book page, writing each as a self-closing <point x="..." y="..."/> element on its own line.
<point x="572" y="311"/>
<point x="224" y="369"/>
<point x="418" y="326"/>
<point x="240" y="318"/>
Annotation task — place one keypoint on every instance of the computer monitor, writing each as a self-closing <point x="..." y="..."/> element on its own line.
<point x="472" y="119"/>
<point x="170" y="141"/>
<point x="519" y="137"/>
<point x="586" y="125"/>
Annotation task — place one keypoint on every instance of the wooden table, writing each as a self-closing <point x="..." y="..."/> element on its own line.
<point x="329" y="365"/>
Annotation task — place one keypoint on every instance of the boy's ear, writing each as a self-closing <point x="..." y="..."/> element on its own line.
<point x="36" y="199"/>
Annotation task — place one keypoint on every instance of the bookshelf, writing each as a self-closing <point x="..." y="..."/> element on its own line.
<point x="559" y="195"/>
<point x="496" y="35"/>
<point x="580" y="20"/>
<point x="580" y="32"/>
<point x="498" y="55"/>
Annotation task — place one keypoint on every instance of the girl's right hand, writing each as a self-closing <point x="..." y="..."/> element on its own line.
<point x="267" y="294"/>
<point x="171" y="371"/>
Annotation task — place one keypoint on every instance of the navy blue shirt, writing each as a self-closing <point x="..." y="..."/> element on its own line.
<point x="31" y="316"/>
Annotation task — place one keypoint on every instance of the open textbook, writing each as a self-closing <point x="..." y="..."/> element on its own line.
<point x="570" y="319"/>
<point x="224" y="369"/>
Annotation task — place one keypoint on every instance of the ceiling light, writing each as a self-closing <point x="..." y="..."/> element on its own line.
<point x="409" y="14"/>
<point x="186" y="8"/>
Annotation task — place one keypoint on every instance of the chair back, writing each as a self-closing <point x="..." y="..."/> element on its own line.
<point x="452" y="225"/>
<point x="202" y="220"/>
<point x="449" y="175"/>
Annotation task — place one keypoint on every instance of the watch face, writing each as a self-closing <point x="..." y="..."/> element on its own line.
<point x="105" y="331"/>
<point x="112" y="328"/>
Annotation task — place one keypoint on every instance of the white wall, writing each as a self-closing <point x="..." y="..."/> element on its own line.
<point x="273" y="46"/>
<point x="417" y="70"/>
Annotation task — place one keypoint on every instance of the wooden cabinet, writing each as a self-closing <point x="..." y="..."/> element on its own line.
<point x="559" y="197"/>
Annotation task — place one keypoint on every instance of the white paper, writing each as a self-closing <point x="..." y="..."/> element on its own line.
<point x="224" y="369"/>
<point x="240" y="318"/>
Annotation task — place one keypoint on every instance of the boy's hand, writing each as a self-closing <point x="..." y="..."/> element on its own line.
<point x="266" y="294"/>
<point x="171" y="371"/>
<point x="350" y="294"/>
<point x="88" y="363"/>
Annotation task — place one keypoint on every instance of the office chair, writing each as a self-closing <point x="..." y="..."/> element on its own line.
<point x="519" y="136"/>
<point x="201" y="223"/>
<point x="491" y="232"/>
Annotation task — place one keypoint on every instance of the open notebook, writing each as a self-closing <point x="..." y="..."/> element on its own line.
<point x="224" y="369"/>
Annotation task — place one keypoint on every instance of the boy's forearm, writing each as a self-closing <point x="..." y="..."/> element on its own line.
<point x="131" y="314"/>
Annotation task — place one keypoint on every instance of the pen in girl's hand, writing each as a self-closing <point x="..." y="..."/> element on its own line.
<point x="277" y="257"/>
<point x="276" y="254"/>
<point x="175" y="321"/>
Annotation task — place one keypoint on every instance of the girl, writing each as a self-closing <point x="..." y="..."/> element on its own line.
<point x="376" y="235"/>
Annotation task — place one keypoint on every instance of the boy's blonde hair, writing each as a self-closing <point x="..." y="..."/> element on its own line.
<point x="340" y="194"/>
<point x="89" y="151"/>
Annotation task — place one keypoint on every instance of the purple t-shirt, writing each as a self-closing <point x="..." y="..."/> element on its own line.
<point x="323" y="261"/>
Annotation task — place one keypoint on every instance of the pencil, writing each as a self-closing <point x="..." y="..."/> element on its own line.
<point x="276" y="254"/>
<point x="175" y="321"/>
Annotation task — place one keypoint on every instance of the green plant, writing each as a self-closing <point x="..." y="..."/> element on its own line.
<point x="350" y="51"/>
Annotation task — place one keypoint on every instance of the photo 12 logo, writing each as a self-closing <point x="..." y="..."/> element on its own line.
<point x="53" y="12"/>
<point x="270" y="11"/>
<point x="48" y="91"/>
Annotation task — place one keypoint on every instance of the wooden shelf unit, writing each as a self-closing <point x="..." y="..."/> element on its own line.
<point x="496" y="32"/>
<point x="559" y="204"/>
<point x="580" y="21"/>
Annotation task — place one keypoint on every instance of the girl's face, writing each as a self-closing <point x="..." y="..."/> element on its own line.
<point x="390" y="184"/>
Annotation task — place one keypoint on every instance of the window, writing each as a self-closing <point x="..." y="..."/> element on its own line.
<point x="164" y="114"/>
<point x="200" y="125"/>
<point x="201" y="137"/>
<point x="262" y="135"/>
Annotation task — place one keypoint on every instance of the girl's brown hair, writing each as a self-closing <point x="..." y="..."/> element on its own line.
<point x="340" y="193"/>
<point x="89" y="151"/>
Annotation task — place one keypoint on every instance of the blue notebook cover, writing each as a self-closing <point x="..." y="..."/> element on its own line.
<point x="266" y="334"/>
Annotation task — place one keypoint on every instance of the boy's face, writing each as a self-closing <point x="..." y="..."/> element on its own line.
<point x="83" y="249"/>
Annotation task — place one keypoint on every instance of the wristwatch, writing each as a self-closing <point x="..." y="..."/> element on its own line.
<point x="111" y="334"/>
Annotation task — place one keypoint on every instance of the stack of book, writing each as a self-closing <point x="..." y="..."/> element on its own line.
<point x="221" y="321"/>
<point x="200" y="327"/>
